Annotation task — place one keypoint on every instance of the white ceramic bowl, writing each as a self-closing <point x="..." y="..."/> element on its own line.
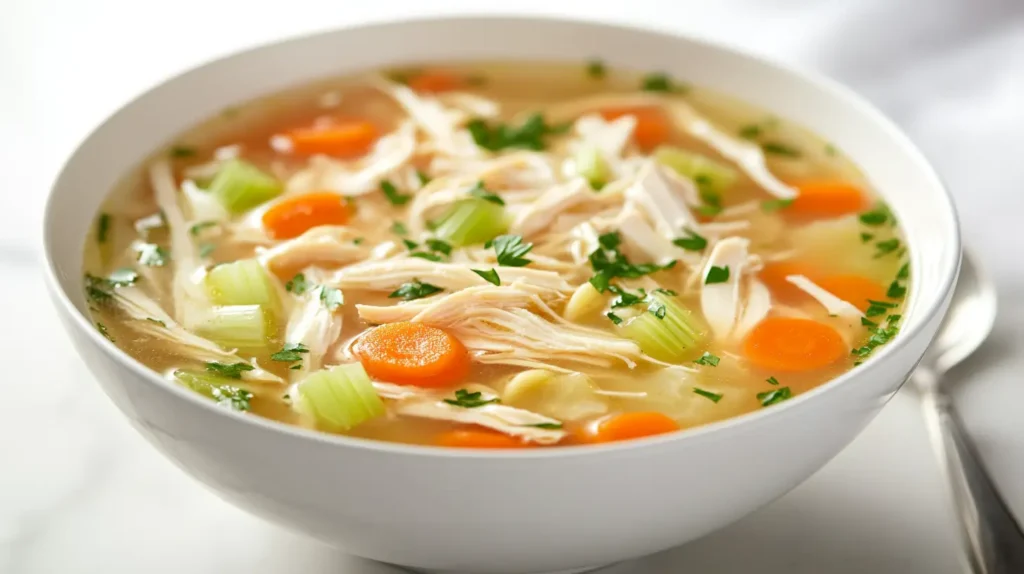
<point x="504" y="512"/>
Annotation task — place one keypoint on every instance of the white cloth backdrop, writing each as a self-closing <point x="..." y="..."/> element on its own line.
<point x="951" y="72"/>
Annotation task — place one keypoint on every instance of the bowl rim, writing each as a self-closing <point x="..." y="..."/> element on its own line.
<point x="833" y="88"/>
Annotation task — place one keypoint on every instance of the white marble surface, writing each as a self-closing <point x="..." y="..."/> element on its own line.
<point x="81" y="493"/>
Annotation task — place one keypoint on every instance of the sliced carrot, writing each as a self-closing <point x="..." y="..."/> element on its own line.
<point x="774" y="274"/>
<point x="853" y="289"/>
<point x="652" y="127"/>
<point x="413" y="354"/>
<point x="296" y="215"/>
<point x="827" y="199"/>
<point x="436" y="81"/>
<point x="792" y="344"/>
<point x="479" y="438"/>
<point x="627" y="426"/>
<point x="345" y="139"/>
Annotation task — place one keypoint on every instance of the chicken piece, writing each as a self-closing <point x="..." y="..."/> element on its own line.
<point x="316" y="327"/>
<point x="832" y="304"/>
<point x="323" y="246"/>
<point x="389" y="274"/>
<point x="721" y="301"/>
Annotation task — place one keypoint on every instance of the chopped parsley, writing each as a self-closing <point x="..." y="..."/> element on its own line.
<point x="780" y="149"/>
<point x="436" y="250"/>
<point x="877" y="216"/>
<point x="392" y="194"/>
<point x="904" y="272"/>
<point x="511" y="250"/>
<point x="423" y="177"/>
<point x="596" y="69"/>
<point x="614" y="318"/>
<point x="708" y="359"/>
<point x="102" y="227"/>
<point x="529" y="135"/>
<point x="414" y="290"/>
<point x="750" y="131"/>
<point x="198" y="228"/>
<point x="153" y="255"/>
<point x="233" y="371"/>
<point x="156" y="321"/>
<point x="775" y="204"/>
<point x="123" y="277"/>
<point x="183" y="151"/>
<point x="625" y="298"/>
<point x="896" y="291"/>
<point x="879" y="336"/>
<point x="479" y="191"/>
<point x="489" y="275"/>
<point x="883" y="248"/>
<point x="865" y="237"/>
<point x="608" y="263"/>
<point x="692" y="241"/>
<point x="547" y="426"/>
<point x="428" y="256"/>
<point x="713" y="397"/>
<point x="717" y="275"/>
<point x="660" y="82"/>
<point x="773" y="396"/>
<point x="358" y="240"/>
<point x="398" y="228"/>
<point x="708" y="210"/>
<point x="103" y="331"/>
<point x="468" y="400"/>
<point x="331" y="297"/>
<point x="438" y="246"/>
<point x="290" y="353"/>
<point x="97" y="289"/>
<point x="297" y="284"/>
<point x="876" y="308"/>
<point x="232" y="397"/>
<point x="410" y="244"/>
<point x="772" y="381"/>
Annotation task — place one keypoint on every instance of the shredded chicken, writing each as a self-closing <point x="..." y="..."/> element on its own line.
<point x="539" y="214"/>
<point x="323" y="246"/>
<point x="721" y="301"/>
<point x="389" y="274"/>
<point x="512" y="325"/>
<point x="834" y="305"/>
<point x="315" y="327"/>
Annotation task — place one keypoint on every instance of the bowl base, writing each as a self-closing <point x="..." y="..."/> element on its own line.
<point x="570" y="571"/>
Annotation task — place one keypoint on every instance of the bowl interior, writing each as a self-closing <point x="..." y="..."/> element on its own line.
<point x="892" y="164"/>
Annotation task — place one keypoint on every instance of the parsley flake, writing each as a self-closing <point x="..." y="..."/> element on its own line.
<point x="398" y="228"/>
<point x="596" y="69"/>
<point x="290" y="353"/>
<point x="547" y="426"/>
<point x="692" y="241"/>
<point x="392" y="194"/>
<point x="297" y="284"/>
<point x="883" y="248"/>
<point x="896" y="291"/>
<point x="614" y="318"/>
<point x="479" y="191"/>
<point x="103" y="331"/>
<point x="904" y="272"/>
<point x="772" y="381"/>
<point x="489" y="275"/>
<point x="660" y="82"/>
<point x="103" y="227"/>
<point x="511" y="250"/>
<point x="772" y="205"/>
<point x="414" y="290"/>
<point x="780" y="149"/>
<point x="773" y="396"/>
<point x="233" y="371"/>
<point x="183" y="151"/>
<point x="708" y="359"/>
<point x="331" y="297"/>
<point x="232" y="397"/>
<point x="468" y="400"/>
<point x="713" y="397"/>
<point x="750" y="131"/>
<point x="877" y="216"/>
<point x="717" y="275"/>
<point x="529" y="135"/>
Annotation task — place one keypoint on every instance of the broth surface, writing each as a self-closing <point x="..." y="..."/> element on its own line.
<point x="629" y="211"/>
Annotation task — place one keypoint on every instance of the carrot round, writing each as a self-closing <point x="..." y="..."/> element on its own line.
<point x="413" y="354"/>
<point x="853" y="289"/>
<point x="774" y="274"/>
<point x="436" y="81"/>
<point x="827" y="199"/>
<point x="652" y="127"/>
<point x="346" y="139"/>
<point x="478" y="438"/>
<point x="295" y="215"/>
<point x="627" y="426"/>
<point x="792" y="344"/>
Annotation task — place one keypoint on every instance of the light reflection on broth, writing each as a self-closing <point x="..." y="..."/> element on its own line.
<point x="611" y="193"/>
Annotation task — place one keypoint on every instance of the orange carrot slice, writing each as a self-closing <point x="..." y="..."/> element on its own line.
<point x="479" y="438"/>
<point x="346" y="139"/>
<point x="652" y="127"/>
<point x="792" y="344"/>
<point x="853" y="289"/>
<point x="436" y="81"/>
<point x="296" y="215"/>
<point x="827" y="199"/>
<point x="627" y="426"/>
<point x="413" y="354"/>
<point x="774" y="274"/>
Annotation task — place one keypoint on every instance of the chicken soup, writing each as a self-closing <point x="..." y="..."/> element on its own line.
<point x="497" y="256"/>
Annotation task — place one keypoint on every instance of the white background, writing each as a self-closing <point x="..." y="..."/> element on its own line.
<point x="81" y="493"/>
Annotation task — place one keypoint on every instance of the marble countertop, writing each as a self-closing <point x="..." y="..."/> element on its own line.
<point x="80" y="492"/>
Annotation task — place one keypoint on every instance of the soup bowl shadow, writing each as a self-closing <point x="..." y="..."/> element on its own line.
<point x="531" y="511"/>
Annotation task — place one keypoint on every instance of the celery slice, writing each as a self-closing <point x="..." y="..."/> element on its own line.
<point x="238" y="327"/>
<point x="672" y="338"/>
<point x="471" y="221"/>
<point x="338" y="398"/>
<point x="592" y="166"/>
<point x="241" y="186"/>
<point x="221" y="389"/>
<point x="710" y="175"/>
<point x="242" y="282"/>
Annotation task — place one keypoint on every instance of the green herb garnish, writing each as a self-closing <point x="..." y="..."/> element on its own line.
<point x="883" y="248"/>
<point x="183" y="151"/>
<point x="750" y="131"/>
<point x="198" y="228"/>
<point x="613" y="317"/>
<point x="596" y="69"/>
<point x="414" y="290"/>
<point x="103" y="331"/>
<point x="530" y="135"/>
<point x="660" y="82"/>
<point x="896" y="291"/>
<point x="398" y="228"/>
<point x="233" y="371"/>
<point x="290" y="353"/>
<point x="773" y="396"/>
<point x="481" y="192"/>
<point x="775" y="204"/>
<point x="547" y="426"/>
<point x="392" y="194"/>
<point x="772" y="381"/>
<point x="102" y="227"/>
<point x="511" y="250"/>
<point x="865" y="237"/>
<point x="608" y="263"/>
<point x="331" y="297"/>
<point x="692" y="241"/>
<point x="717" y="275"/>
<point x="876" y="216"/>
<point x="206" y="249"/>
<point x="713" y="397"/>
<point x="297" y="284"/>
<point x="904" y="272"/>
<point x="423" y="177"/>
<point x="879" y="337"/>
<point x="708" y="359"/>
<point x="468" y="400"/>
<point x="489" y="275"/>
<point x="232" y="397"/>
<point x="780" y="149"/>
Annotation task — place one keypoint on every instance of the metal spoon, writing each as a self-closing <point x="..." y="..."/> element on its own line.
<point x="992" y="538"/>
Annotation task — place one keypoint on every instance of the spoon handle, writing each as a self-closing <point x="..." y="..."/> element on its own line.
<point x="991" y="536"/>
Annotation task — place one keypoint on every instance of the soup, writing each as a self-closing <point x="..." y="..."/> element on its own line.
<point x="497" y="256"/>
